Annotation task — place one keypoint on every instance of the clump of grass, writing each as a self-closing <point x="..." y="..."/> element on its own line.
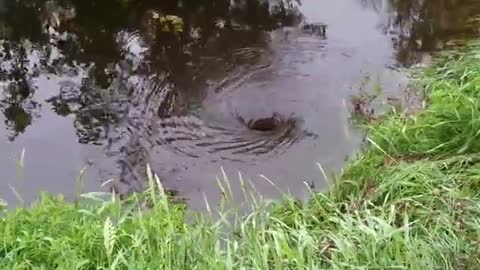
<point x="409" y="201"/>
<point x="451" y="123"/>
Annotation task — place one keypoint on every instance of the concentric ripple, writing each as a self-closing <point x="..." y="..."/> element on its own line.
<point x="193" y="137"/>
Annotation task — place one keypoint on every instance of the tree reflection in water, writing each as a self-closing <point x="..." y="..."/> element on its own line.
<point x="421" y="27"/>
<point x="122" y="65"/>
<point x="133" y="66"/>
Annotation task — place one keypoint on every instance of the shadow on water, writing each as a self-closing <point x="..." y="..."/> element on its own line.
<point x="190" y="86"/>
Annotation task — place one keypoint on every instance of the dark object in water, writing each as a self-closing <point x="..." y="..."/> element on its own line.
<point x="318" y="29"/>
<point x="264" y="124"/>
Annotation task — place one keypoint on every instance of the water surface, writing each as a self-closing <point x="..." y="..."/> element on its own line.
<point x="102" y="85"/>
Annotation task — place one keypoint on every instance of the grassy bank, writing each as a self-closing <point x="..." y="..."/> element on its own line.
<point x="409" y="201"/>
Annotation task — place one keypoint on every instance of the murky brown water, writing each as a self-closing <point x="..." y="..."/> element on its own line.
<point x="243" y="87"/>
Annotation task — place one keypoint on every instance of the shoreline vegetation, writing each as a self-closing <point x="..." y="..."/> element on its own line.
<point x="410" y="200"/>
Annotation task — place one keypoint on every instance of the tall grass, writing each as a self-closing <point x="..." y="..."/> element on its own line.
<point x="409" y="201"/>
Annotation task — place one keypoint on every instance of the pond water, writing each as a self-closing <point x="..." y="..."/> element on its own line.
<point x="247" y="86"/>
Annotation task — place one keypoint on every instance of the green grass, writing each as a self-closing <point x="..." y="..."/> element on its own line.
<point x="410" y="200"/>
